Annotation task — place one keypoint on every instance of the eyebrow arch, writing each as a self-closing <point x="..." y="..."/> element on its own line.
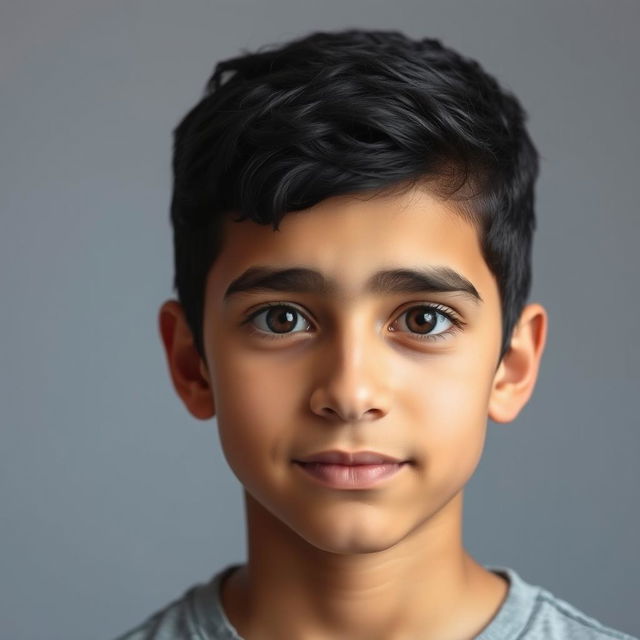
<point x="436" y="279"/>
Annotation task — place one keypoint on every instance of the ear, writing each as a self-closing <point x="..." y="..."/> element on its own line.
<point x="516" y="376"/>
<point x="188" y="371"/>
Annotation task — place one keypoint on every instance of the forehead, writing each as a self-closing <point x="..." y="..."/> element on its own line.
<point x="349" y="238"/>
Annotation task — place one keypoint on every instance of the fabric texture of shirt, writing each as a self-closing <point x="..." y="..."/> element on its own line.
<point x="529" y="612"/>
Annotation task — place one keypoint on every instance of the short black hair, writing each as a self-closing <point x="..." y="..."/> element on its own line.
<point x="336" y="113"/>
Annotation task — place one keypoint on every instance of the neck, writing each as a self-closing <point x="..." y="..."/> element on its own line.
<point x="425" y="585"/>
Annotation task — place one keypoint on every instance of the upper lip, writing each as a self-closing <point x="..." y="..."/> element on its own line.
<point x="350" y="457"/>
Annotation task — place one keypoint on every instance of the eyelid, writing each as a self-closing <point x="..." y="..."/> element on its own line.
<point x="445" y="310"/>
<point x="252" y="313"/>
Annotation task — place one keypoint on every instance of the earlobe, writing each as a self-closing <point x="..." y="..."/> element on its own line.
<point x="516" y="376"/>
<point x="188" y="373"/>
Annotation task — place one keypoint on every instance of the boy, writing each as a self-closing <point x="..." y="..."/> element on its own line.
<point x="353" y="218"/>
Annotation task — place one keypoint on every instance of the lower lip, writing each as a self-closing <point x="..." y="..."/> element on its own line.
<point x="342" y="476"/>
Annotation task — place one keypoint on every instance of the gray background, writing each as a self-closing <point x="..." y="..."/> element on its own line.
<point x="113" y="499"/>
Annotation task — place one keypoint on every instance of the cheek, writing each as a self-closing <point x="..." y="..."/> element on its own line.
<point x="253" y="385"/>
<point x="452" y="408"/>
<point x="253" y="401"/>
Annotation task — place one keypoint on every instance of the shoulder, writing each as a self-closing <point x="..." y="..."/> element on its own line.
<point x="531" y="612"/>
<point x="196" y="615"/>
<point x="554" y="618"/>
<point x="173" y="622"/>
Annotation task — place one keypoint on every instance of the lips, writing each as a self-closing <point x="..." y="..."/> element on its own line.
<point x="350" y="470"/>
<point x="350" y="458"/>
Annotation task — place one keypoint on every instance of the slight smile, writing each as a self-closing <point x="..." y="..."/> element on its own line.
<point x="350" y="470"/>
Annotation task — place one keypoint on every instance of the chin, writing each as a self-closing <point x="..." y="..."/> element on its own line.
<point x="356" y="549"/>
<point x="353" y="538"/>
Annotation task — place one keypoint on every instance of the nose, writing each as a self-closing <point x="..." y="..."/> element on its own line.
<point x="352" y="379"/>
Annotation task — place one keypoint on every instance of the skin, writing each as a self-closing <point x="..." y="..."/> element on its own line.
<point x="352" y="373"/>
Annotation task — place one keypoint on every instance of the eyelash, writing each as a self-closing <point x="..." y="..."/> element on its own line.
<point x="456" y="323"/>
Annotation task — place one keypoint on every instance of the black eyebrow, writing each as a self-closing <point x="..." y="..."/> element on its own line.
<point x="436" y="279"/>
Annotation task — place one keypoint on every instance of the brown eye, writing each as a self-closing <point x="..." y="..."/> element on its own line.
<point x="279" y="319"/>
<point x="428" y="322"/>
<point x="422" y="319"/>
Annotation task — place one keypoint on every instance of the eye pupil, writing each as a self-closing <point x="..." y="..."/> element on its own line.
<point x="426" y="320"/>
<point x="282" y="315"/>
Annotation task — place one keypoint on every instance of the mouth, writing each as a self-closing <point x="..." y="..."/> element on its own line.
<point x="350" y="470"/>
<point x="351" y="458"/>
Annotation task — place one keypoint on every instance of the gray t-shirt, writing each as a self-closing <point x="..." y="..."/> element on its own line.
<point x="529" y="612"/>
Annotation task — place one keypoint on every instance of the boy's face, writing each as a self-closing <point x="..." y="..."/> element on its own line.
<point x="354" y="370"/>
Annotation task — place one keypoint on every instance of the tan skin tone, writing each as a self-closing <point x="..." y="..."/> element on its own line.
<point x="352" y="371"/>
